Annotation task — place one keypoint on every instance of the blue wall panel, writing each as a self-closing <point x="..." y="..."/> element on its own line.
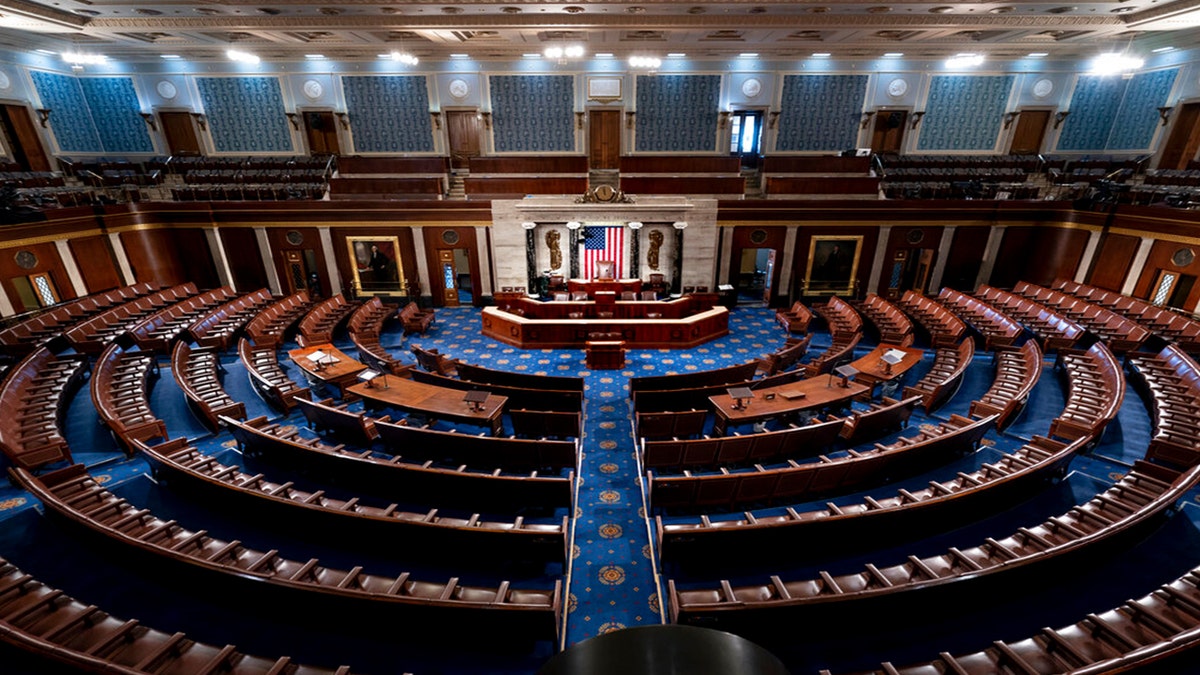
<point x="677" y="113"/>
<point x="70" y="118"/>
<point x="117" y="114"/>
<point x="533" y="113"/>
<point x="820" y="112"/>
<point x="1093" y="108"/>
<point x="245" y="114"/>
<point x="963" y="112"/>
<point x="1138" y="119"/>
<point x="389" y="113"/>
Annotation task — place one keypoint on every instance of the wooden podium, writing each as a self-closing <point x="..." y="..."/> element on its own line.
<point x="605" y="354"/>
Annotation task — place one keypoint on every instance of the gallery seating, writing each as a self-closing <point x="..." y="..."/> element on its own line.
<point x="660" y="425"/>
<point x="997" y="328"/>
<point x="119" y="381"/>
<point x="220" y="327"/>
<point x="415" y="319"/>
<point x="893" y="326"/>
<point x="318" y="325"/>
<point x="75" y="496"/>
<point x="507" y="454"/>
<point x="1158" y="320"/>
<point x="1095" y="389"/>
<point x="944" y="328"/>
<point x="365" y="327"/>
<point x="1118" y="333"/>
<point x="34" y="399"/>
<point x="183" y="465"/>
<point x="195" y="371"/>
<point x="873" y="522"/>
<point x="1171" y="379"/>
<point x="93" y="335"/>
<point x="944" y="378"/>
<point x="802" y="482"/>
<point x="421" y="481"/>
<point x="1128" y="509"/>
<point x="156" y="332"/>
<point x="881" y="418"/>
<point x="796" y="318"/>
<point x="268" y="377"/>
<point x="268" y="327"/>
<point x="1055" y="330"/>
<point x="675" y="454"/>
<point x="1017" y="371"/>
<point x="64" y="632"/>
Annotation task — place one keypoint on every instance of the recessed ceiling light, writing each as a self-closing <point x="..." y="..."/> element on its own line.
<point x="460" y="56"/>
<point x="44" y="51"/>
<point x="676" y="55"/>
<point x="748" y="55"/>
<point x="241" y="57"/>
<point x="78" y="59"/>
<point x="314" y="56"/>
<point x="1037" y="55"/>
<point x="1161" y="50"/>
<point x="821" y="54"/>
<point x="893" y="55"/>
<point x="531" y="56"/>
<point x="169" y="56"/>
<point x="604" y="55"/>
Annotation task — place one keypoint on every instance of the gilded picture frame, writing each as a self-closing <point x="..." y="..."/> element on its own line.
<point x="376" y="265"/>
<point x="832" y="264"/>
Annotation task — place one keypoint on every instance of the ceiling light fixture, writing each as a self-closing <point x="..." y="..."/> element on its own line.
<point x="1161" y="50"/>
<point x="676" y="55"/>
<point x="748" y="55"/>
<point x="169" y="57"/>
<point x="314" y="57"/>
<point x="77" y="59"/>
<point x="893" y="55"/>
<point x="1038" y="55"/>
<point x="822" y="55"/>
<point x="1111" y="64"/>
<point x="460" y="56"/>
<point x="964" y="60"/>
<point x="650" y="62"/>
<point x="404" y="57"/>
<point x="241" y="57"/>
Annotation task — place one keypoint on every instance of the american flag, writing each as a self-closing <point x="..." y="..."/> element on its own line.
<point x="603" y="243"/>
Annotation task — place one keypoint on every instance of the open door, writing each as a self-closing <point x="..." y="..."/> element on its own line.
<point x="888" y="135"/>
<point x="464" y="132"/>
<point x="320" y="131"/>
<point x="448" y="272"/>
<point x="179" y="130"/>
<point x="1184" y="141"/>
<point x="746" y="137"/>
<point x="1030" y="131"/>
<point x="604" y="139"/>
<point x="22" y="133"/>
<point x="301" y="275"/>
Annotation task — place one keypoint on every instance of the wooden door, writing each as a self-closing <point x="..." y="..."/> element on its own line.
<point x="448" y="273"/>
<point x="179" y="130"/>
<point x="22" y="133"/>
<point x="300" y="272"/>
<point x="888" y="135"/>
<point x="604" y="139"/>
<point x="320" y="129"/>
<point x="463" y="131"/>
<point x="1030" y="131"/>
<point x="1184" y="141"/>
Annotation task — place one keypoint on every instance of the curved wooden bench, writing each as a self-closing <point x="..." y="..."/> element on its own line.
<point x="707" y="378"/>
<point x="944" y="378"/>
<point x="268" y="377"/>
<point x="877" y="520"/>
<point x="119" y="394"/>
<point x="157" y="331"/>
<point x="800" y="482"/>
<point x="93" y="335"/>
<point x="795" y="319"/>
<point x="894" y="327"/>
<point x="1095" y="389"/>
<point x="658" y="425"/>
<point x="1124" y="511"/>
<point x="509" y="454"/>
<point x="22" y="338"/>
<point x="1172" y="379"/>
<point x="1017" y="371"/>
<point x="72" y="495"/>
<point x="415" y="319"/>
<point x="33" y="398"/>
<point x="841" y="349"/>
<point x="552" y="400"/>
<point x="269" y="326"/>
<point x="998" y="329"/>
<point x="785" y="358"/>
<point x="767" y="446"/>
<point x="1055" y="330"/>
<point x="880" y="419"/>
<point x="182" y="465"/>
<point x="505" y="378"/>
<point x="353" y="427"/>
<point x="1162" y="322"/>
<point x="318" y="325"/>
<point x="219" y="327"/>
<point x="1119" y="333"/>
<point x="944" y="328"/>
<point x="365" y="327"/>
<point x="839" y="316"/>
<point x="195" y="371"/>
<point x="55" y="627"/>
<point x="420" y="481"/>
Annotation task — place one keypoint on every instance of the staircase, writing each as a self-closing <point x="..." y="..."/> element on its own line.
<point x="457" y="191"/>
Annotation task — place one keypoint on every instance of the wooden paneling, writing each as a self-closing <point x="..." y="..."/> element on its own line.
<point x="888" y="133"/>
<point x="604" y="139"/>
<point x="539" y="165"/>
<point x="310" y="240"/>
<point x="386" y="188"/>
<point x="1038" y="255"/>
<point x="1184" y="141"/>
<point x="684" y="185"/>
<point x="320" y="130"/>
<point x="532" y="185"/>
<point x="575" y="333"/>
<point x="27" y="145"/>
<point x="680" y="164"/>
<point x="93" y="256"/>
<point x="463" y="130"/>
<point x="245" y="259"/>
<point x="911" y="240"/>
<point x="436" y="240"/>
<point x="754" y="238"/>
<point x="171" y="257"/>
<point x="1160" y="259"/>
<point x="1113" y="258"/>
<point x="395" y="165"/>
<point x="48" y="262"/>
<point x="822" y="185"/>
<point x="806" y="164"/>
<point x="964" y="258"/>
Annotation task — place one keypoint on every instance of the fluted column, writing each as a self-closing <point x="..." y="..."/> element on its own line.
<point x="573" y="244"/>
<point x="677" y="268"/>
<point x="635" y="251"/>
<point x="530" y="257"/>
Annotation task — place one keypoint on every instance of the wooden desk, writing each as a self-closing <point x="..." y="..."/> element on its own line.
<point x="872" y="370"/>
<point x="433" y="401"/>
<point x="605" y="354"/>
<point x="566" y="333"/>
<point x="819" y="392"/>
<point x="613" y="285"/>
<point x="340" y="373"/>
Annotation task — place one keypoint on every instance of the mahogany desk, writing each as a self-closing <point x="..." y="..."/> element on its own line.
<point x="591" y="286"/>
<point x="432" y="401"/>
<point x="818" y="392"/>
<point x="872" y="370"/>
<point x="340" y="373"/>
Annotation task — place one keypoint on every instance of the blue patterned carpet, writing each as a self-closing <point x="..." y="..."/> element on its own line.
<point x="613" y="579"/>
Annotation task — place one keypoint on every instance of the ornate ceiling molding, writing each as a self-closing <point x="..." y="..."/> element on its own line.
<point x="39" y="11"/>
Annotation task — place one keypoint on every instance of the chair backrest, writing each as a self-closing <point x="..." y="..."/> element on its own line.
<point x="579" y="295"/>
<point x="604" y="269"/>
<point x="628" y="295"/>
<point x="649" y="295"/>
<point x="562" y="296"/>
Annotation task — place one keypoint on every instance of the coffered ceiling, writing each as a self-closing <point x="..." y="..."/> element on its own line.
<point x="362" y="29"/>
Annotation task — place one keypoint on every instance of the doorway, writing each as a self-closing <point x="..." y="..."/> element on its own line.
<point x="23" y="138"/>
<point x="1181" y="146"/>
<point x="745" y="137"/>
<point x="448" y="273"/>
<point x="463" y="131"/>
<point x="462" y="271"/>
<point x="888" y="135"/>
<point x="604" y="139"/>
<point x="301" y="274"/>
<point x="36" y="291"/>
<point x="1030" y="132"/>
<point x="910" y="271"/>
<point x="1171" y="288"/>
<point x="756" y="274"/>
<point x="179" y="130"/>
<point x="320" y="130"/>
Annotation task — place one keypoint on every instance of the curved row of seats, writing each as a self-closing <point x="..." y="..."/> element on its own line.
<point x="22" y="338"/>
<point x="894" y="327"/>
<point x="1158" y="320"/>
<point x="1118" y="333"/>
<point x="795" y="319"/>
<point x="1053" y="329"/>
<point x="1017" y="372"/>
<point x="195" y="371"/>
<point x="269" y="326"/>
<point x="997" y="328"/>
<point x="944" y="327"/>
<point x="157" y="331"/>
<point x="220" y="327"/>
<point x="318" y="325"/>
<point x="119" y="379"/>
<point x="34" y="399"/>
<point x="268" y="377"/>
<point x="1172" y="380"/>
<point x="1095" y="389"/>
<point x="677" y="454"/>
<point x="845" y="331"/>
<point x="365" y="327"/>
<point x="94" y="334"/>
<point x="524" y="398"/>
<point x="784" y="358"/>
<point x="949" y="368"/>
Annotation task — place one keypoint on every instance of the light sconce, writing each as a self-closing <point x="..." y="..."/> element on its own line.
<point x="629" y="117"/>
<point x="149" y="119"/>
<point x="343" y="119"/>
<point x="294" y="119"/>
<point x="487" y="120"/>
<point x="43" y="116"/>
<point x="916" y="119"/>
<point x="579" y="121"/>
<point x="866" y="118"/>
<point x="1164" y="114"/>
<point x="774" y="120"/>
<point x="201" y="120"/>
<point x="722" y="120"/>
<point x="1059" y="117"/>
<point x="437" y="120"/>
<point x="1010" y="117"/>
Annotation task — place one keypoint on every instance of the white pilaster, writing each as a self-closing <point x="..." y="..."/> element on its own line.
<point x="1139" y="262"/>
<point x="6" y="307"/>
<point x="995" y="237"/>
<point x="217" y="247"/>
<point x="422" y="264"/>
<point x="268" y="261"/>
<point x="939" y="267"/>
<point x="1089" y="252"/>
<point x="789" y="254"/>
<point x="122" y="261"/>
<point x="68" y="261"/>
<point x="335" y="279"/>
<point x="881" y="244"/>
<point x="727" y="258"/>
<point x="485" y="262"/>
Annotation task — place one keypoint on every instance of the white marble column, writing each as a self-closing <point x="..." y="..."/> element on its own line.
<point x="879" y="263"/>
<point x="335" y="278"/>
<point x="1138" y="264"/>
<point x="939" y="267"/>
<point x="786" y="264"/>
<point x="217" y="248"/>
<point x="268" y="260"/>
<point x="726" y="234"/>
<point x="68" y="261"/>
<point x="122" y="260"/>
<point x="422" y="264"/>
<point x="989" y="256"/>
<point x="6" y="306"/>
<point x="1089" y="253"/>
<point x="485" y="262"/>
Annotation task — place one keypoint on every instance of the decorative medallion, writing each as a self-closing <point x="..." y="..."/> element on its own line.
<point x="1183" y="257"/>
<point x="758" y="236"/>
<point x="26" y="260"/>
<point x="295" y="238"/>
<point x="604" y="194"/>
<point x="5" y="82"/>
<point x="897" y="87"/>
<point x="459" y="88"/>
<point x="1043" y="87"/>
<point x="313" y="89"/>
<point x="752" y="87"/>
<point x="166" y="89"/>
<point x="915" y="236"/>
<point x="450" y="237"/>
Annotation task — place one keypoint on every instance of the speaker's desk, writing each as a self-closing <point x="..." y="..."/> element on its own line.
<point x="432" y="401"/>
<point x="333" y="367"/>
<point x="813" y="393"/>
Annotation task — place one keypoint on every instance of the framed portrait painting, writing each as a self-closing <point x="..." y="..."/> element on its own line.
<point x="832" y="265"/>
<point x="375" y="262"/>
